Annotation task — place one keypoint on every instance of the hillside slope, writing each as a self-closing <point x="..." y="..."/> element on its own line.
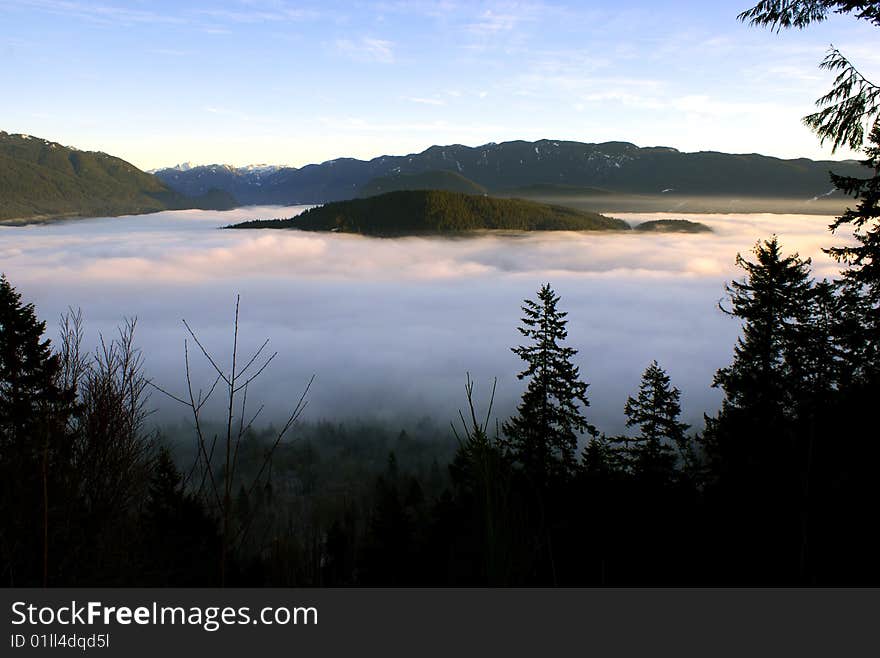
<point x="42" y="179"/>
<point x="427" y="180"/>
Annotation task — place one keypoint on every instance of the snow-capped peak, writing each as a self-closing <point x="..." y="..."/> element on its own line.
<point x="260" y="168"/>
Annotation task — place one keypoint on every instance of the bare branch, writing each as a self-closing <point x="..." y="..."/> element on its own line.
<point x="257" y="374"/>
<point x="254" y="357"/>
<point x="209" y="471"/>
<point x="294" y="416"/>
<point x="235" y="383"/>
<point x="205" y="352"/>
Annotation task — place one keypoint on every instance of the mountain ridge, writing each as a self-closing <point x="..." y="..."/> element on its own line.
<point x="617" y="167"/>
<point x="41" y="179"/>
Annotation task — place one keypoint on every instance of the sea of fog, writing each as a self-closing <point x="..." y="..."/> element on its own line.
<point x="390" y="326"/>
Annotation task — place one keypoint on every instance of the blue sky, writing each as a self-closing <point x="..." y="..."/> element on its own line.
<point x="254" y="81"/>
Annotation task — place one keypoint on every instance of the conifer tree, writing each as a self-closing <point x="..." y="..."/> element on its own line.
<point x="595" y="459"/>
<point x="848" y="115"/>
<point x="863" y="258"/>
<point x="543" y="436"/>
<point x="839" y="353"/>
<point x="656" y="412"/>
<point x="754" y="437"/>
<point x="757" y="445"/>
<point x="817" y="349"/>
<point x="34" y="450"/>
<point x="773" y="301"/>
<point x="28" y="370"/>
<point x="853" y="104"/>
<point x="178" y="536"/>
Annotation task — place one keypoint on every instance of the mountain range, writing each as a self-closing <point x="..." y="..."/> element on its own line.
<point x="522" y="168"/>
<point x="42" y="179"/>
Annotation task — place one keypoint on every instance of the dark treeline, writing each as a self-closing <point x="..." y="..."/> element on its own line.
<point x="778" y="487"/>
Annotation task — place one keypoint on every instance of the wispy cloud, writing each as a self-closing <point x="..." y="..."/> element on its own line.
<point x="262" y="11"/>
<point x="436" y="10"/>
<point x="510" y="24"/>
<point x="424" y="101"/>
<point x="98" y="12"/>
<point x="215" y="29"/>
<point x="491" y="23"/>
<point x="170" y="52"/>
<point x="429" y="8"/>
<point x="257" y="14"/>
<point x="367" y="49"/>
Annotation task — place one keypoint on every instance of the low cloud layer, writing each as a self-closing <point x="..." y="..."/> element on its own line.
<point x="389" y="327"/>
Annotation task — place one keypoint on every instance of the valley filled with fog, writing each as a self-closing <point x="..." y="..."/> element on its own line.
<point x="390" y="326"/>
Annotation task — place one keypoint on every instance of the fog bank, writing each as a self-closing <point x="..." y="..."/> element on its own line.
<point x="390" y="326"/>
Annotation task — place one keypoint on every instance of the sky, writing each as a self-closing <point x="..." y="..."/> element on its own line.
<point x="159" y="82"/>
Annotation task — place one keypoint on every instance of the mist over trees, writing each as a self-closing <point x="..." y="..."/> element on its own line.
<point x="775" y="489"/>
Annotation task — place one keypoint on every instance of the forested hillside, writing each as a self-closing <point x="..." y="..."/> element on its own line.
<point x="40" y="179"/>
<point x="428" y="180"/>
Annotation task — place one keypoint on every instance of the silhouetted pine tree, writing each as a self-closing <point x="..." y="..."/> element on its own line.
<point x="543" y="436"/>
<point x="596" y="460"/>
<point x="756" y="444"/>
<point x="178" y="538"/>
<point x="656" y="412"/>
<point x="835" y="412"/>
<point x="839" y="425"/>
<point x="36" y="481"/>
<point x="863" y="259"/>
<point x="387" y="558"/>
<point x="773" y="301"/>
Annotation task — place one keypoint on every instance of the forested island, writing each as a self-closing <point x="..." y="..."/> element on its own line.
<point x="425" y="212"/>
<point x="420" y="212"/>
<point x="672" y="226"/>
